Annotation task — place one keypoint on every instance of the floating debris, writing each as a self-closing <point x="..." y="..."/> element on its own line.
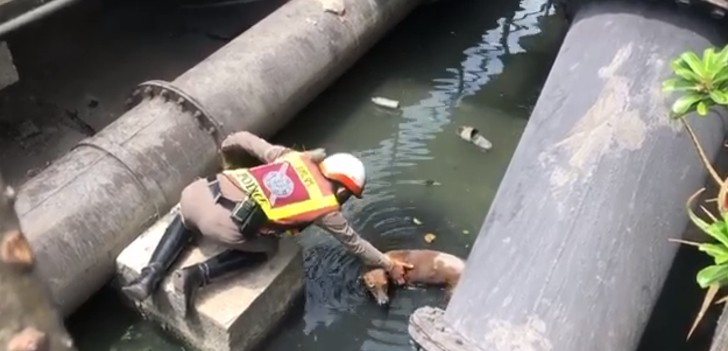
<point x="92" y="102"/>
<point x="384" y="102"/>
<point x="416" y="221"/>
<point x="334" y="6"/>
<point x="421" y="182"/>
<point x="220" y="37"/>
<point x="78" y="123"/>
<point x="429" y="237"/>
<point x="36" y="170"/>
<point x="431" y="182"/>
<point x="28" y="339"/>
<point x="27" y="129"/>
<point x="472" y="135"/>
<point x="336" y="11"/>
<point x="466" y="232"/>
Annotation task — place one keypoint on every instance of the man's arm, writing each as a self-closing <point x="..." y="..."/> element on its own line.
<point x="253" y="145"/>
<point x="336" y="224"/>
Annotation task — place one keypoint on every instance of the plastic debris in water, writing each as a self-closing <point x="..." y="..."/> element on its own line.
<point x="416" y="221"/>
<point x="336" y="10"/>
<point x="334" y="6"/>
<point x="384" y="102"/>
<point x="426" y="182"/>
<point x="472" y="135"/>
<point x="429" y="237"/>
<point x="466" y="232"/>
<point x="431" y="182"/>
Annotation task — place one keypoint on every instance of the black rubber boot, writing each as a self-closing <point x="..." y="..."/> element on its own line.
<point x="189" y="279"/>
<point x="174" y="240"/>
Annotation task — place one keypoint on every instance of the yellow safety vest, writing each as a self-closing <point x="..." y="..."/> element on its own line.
<point x="286" y="189"/>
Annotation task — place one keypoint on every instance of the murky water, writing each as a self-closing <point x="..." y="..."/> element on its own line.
<point x="457" y="62"/>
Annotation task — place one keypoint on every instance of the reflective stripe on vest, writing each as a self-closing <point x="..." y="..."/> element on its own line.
<point x="284" y="189"/>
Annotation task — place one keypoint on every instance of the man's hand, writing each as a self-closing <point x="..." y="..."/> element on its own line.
<point x="234" y="156"/>
<point x="399" y="270"/>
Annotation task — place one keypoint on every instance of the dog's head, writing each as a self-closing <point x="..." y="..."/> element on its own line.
<point x="376" y="281"/>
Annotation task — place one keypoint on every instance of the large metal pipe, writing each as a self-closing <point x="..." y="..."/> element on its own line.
<point x="574" y="251"/>
<point x="30" y="11"/>
<point x="88" y="205"/>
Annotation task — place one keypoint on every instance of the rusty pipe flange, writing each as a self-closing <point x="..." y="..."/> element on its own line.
<point x="169" y="92"/>
<point x="715" y="9"/>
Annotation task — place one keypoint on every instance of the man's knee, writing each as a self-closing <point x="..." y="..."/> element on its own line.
<point x="197" y="192"/>
<point x="212" y="229"/>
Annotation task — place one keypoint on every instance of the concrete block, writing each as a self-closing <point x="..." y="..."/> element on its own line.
<point x="8" y="72"/>
<point x="233" y="314"/>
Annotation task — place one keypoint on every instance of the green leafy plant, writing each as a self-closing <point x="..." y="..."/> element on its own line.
<point x="716" y="275"/>
<point x="704" y="81"/>
<point x="717" y="229"/>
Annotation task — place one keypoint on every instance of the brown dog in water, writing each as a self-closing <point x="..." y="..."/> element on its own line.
<point x="430" y="268"/>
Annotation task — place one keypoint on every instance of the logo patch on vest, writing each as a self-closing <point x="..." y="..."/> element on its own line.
<point x="287" y="190"/>
<point x="278" y="183"/>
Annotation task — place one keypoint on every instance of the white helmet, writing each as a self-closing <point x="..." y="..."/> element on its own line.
<point x="346" y="169"/>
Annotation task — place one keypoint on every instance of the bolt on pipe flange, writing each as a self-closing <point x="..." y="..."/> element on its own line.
<point x="171" y="93"/>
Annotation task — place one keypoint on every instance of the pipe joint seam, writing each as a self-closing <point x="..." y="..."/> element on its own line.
<point x="131" y="161"/>
<point x="169" y="92"/>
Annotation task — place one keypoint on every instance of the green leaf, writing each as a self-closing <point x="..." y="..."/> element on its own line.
<point x="685" y="102"/>
<point x="716" y="230"/>
<point x="722" y="57"/>
<point x="714" y="62"/>
<point x="717" y="251"/>
<point x="710" y="63"/>
<point x="678" y="84"/>
<point x="709" y="55"/>
<point x="722" y="227"/>
<point x="678" y="63"/>
<point x="696" y="65"/>
<point x="719" y="97"/>
<point x="721" y="76"/>
<point x="712" y="274"/>
<point x="688" y="75"/>
<point x="702" y="108"/>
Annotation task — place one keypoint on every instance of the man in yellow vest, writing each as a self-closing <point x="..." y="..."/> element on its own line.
<point x="246" y="209"/>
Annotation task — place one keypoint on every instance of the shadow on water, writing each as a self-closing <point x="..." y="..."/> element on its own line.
<point x="452" y="63"/>
<point x="103" y="323"/>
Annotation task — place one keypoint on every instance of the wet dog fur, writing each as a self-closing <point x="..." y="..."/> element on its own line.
<point x="430" y="268"/>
